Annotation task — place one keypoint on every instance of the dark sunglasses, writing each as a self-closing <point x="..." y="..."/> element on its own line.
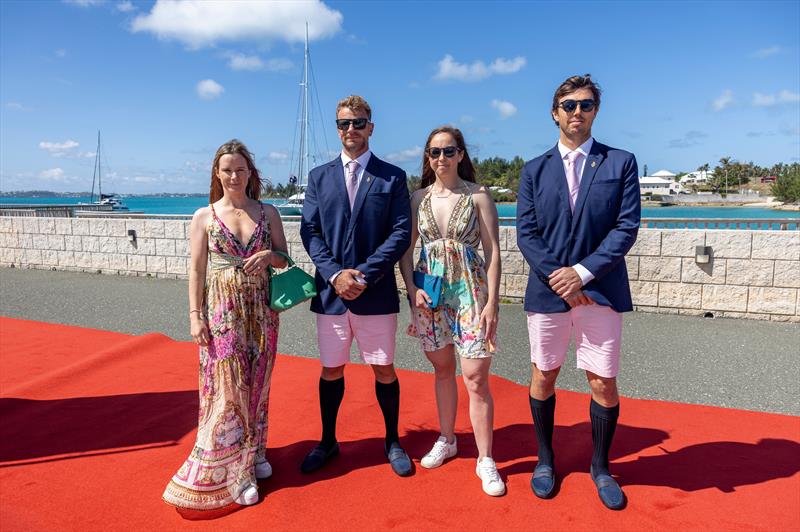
<point x="449" y="152"/>
<point x="587" y="106"/>
<point x="358" y="123"/>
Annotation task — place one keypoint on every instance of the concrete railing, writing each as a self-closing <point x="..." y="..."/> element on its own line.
<point x="750" y="273"/>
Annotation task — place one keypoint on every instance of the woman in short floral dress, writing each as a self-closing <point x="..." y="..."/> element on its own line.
<point x="231" y="244"/>
<point x="454" y="216"/>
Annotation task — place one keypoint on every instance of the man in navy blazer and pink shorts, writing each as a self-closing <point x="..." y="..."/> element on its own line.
<point x="578" y="214"/>
<point x="356" y="226"/>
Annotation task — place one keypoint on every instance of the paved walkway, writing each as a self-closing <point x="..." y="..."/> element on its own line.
<point x="745" y="364"/>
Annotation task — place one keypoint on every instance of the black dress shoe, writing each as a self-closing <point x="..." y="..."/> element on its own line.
<point x="318" y="456"/>
<point x="401" y="463"/>
<point x="609" y="491"/>
<point x="543" y="481"/>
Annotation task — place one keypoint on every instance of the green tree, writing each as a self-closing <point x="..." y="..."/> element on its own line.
<point x="786" y="187"/>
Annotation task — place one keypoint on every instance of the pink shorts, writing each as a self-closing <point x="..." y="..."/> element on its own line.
<point x="375" y="336"/>
<point x="598" y="333"/>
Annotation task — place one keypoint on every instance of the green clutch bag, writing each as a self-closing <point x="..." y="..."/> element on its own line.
<point x="291" y="287"/>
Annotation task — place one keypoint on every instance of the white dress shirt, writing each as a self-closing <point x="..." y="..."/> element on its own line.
<point x="584" y="150"/>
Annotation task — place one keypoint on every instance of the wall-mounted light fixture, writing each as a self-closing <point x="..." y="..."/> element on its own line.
<point x="702" y="254"/>
<point x="132" y="236"/>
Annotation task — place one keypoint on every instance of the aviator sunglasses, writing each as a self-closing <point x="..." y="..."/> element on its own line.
<point x="587" y="106"/>
<point x="449" y="152"/>
<point x="358" y="123"/>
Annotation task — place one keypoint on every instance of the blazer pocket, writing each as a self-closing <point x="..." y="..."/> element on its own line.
<point x="607" y="181"/>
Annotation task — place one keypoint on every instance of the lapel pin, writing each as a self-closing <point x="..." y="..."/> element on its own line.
<point x="594" y="164"/>
<point x="368" y="178"/>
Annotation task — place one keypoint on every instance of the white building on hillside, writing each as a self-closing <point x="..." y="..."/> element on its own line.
<point x="664" y="174"/>
<point x="659" y="185"/>
<point x="697" y="177"/>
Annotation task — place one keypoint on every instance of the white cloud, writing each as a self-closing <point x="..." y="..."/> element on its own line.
<point x="244" y="62"/>
<point x="449" y="68"/>
<point x="59" y="149"/>
<point x="199" y="23"/>
<point x="766" y="52"/>
<point x="61" y="52"/>
<point x="723" y="100"/>
<point x="84" y="3"/>
<point x="278" y="156"/>
<point x="466" y="119"/>
<point x="53" y="174"/>
<point x="208" y="89"/>
<point x="768" y="100"/>
<point x="16" y="106"/>
<point x="506" y="109"/>
<point x="237" y="61"/>
<point x="764" y="100"/>
<point x="125" y="7"/>
<point x="405" y="155"/>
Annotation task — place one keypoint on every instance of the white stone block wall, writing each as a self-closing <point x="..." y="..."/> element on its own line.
<point x="752" y="274"/>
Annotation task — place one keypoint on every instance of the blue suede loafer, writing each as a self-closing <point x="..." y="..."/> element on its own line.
<point x="317" y="457"/>
<point x="543" y="481"/>
<point x="609" y="491"/>
<point x="399" y="460"/>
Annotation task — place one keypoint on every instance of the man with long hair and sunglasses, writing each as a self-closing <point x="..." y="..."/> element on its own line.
<point x="578" y="215"/>
<point x="356" y="226"/>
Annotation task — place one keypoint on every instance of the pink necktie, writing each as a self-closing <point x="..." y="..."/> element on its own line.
<point x="573" y="163"/>
<point x="352" y="181"/>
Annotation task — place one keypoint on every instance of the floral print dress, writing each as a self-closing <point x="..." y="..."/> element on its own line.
<point x="235" y="371"/>
<point x="454" y="257"/>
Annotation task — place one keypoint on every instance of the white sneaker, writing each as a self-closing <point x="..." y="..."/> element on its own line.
<point x="492" y="483"/>
<point x="441" y="451"/>
<point x="263" y="470"/>
<point x="248" y="496"/>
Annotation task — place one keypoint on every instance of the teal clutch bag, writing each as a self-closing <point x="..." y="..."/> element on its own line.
<point x="291" y="287"/>
<point x="432" y="284"/>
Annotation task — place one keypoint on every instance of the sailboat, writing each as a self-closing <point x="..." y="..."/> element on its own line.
<point x="111" y="200"/>
<point x="304" y="141"/>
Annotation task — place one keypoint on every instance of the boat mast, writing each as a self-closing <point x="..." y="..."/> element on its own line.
<point x="96" y="170"/>
<point x="304" y="141"/>
<point x="99" y="172"/>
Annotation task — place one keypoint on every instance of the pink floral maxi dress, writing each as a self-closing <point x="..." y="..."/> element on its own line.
<point x="235" y="371"/>
<point x="454" y="257"/>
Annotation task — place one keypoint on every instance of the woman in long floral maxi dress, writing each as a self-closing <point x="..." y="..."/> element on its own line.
<point x="453" y="216"/>
<point x="231" y="244"/>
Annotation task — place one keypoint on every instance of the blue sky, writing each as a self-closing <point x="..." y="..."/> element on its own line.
<point x="684" y="83"/>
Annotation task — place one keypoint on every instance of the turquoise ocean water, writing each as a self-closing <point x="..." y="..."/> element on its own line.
<point x="187" y="205"/>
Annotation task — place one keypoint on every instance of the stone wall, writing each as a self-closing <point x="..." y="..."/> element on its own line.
<point x="753" y="274"/>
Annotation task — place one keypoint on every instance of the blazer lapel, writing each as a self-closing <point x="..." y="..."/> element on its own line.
<point x="336" y="177"/>
<point x="593" y="162"/>
<point x="559" y="178"/>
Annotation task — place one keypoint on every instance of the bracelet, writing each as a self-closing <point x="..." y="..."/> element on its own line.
<point x="195" y="310"/>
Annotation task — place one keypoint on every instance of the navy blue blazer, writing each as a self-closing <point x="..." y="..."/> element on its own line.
<point x="598" y="234"/>
<point x="371" y="239"/>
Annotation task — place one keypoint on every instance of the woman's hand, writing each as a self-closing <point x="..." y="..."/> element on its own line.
<point x="257" y="263"/>
<point x="198" y="329"/>
<point x="489" y="316"/>
<point x="421" y="299"/>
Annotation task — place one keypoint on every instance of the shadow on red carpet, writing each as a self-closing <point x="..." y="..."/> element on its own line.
<point x="94" y="424"/>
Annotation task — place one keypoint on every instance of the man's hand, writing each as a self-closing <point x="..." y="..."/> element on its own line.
<point x="346" y="285"/>
<point x="579" y="298"/>
<point x="565" y="282"/>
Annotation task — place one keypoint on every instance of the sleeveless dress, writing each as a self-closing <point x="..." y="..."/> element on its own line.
<point x="235" y="371"/>
<point x="454" y="257"/>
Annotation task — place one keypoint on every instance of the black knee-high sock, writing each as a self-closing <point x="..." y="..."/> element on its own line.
<point x="330" y="397"/>
<point x="389" y="399"/>
<point x="544" y="414"/>
<point x="604" y="423"/>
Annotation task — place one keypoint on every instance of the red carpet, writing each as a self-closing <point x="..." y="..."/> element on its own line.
<point x="94" y="424"/>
